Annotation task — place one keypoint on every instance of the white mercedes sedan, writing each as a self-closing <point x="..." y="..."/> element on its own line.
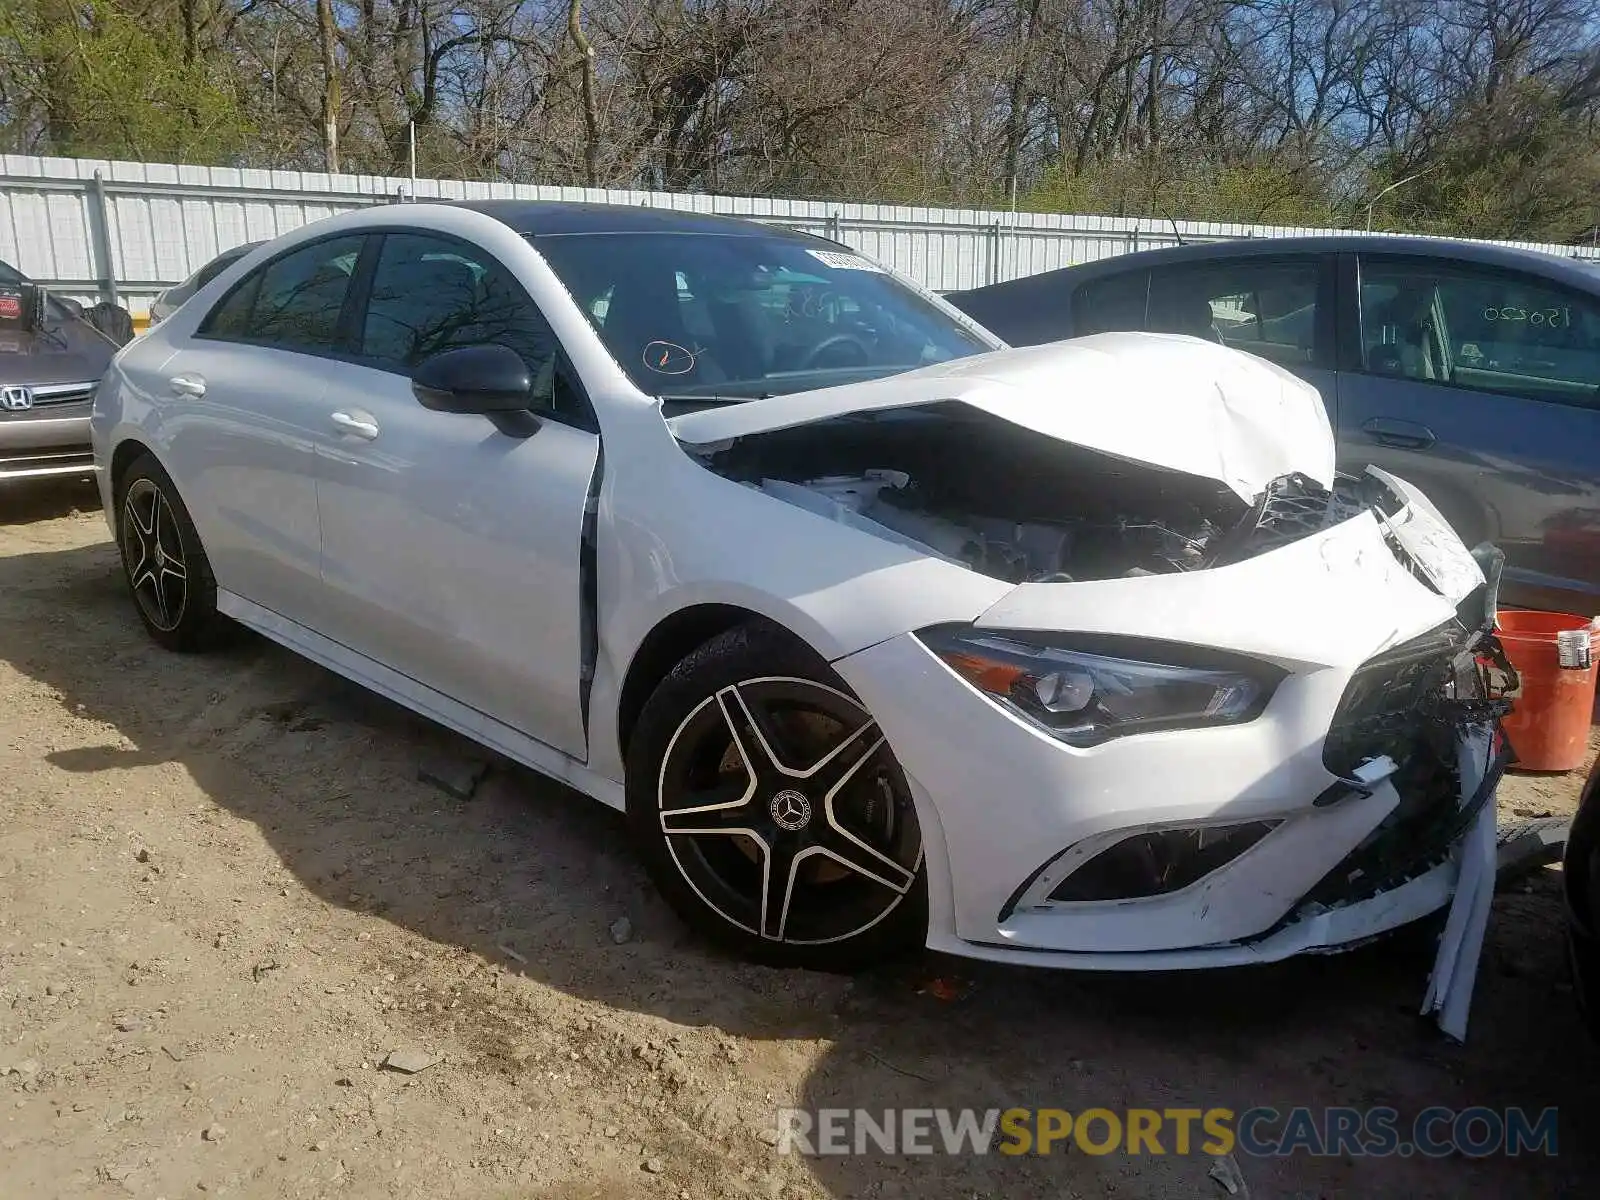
<point x="880" y="633"/>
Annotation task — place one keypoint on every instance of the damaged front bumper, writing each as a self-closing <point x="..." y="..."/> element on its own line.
<point x="1364" y="768"/>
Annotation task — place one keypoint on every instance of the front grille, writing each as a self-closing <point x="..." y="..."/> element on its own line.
<point x="1388" y="699"/>
<point x="1289" y="508"/>
<point x="1411" y="703"/>
<point x="47" y="397"/>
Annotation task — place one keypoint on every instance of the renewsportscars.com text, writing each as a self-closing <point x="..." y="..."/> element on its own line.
<point x="1261" y="1132"/>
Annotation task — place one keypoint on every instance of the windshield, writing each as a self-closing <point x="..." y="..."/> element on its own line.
<point x="690" y="315"/>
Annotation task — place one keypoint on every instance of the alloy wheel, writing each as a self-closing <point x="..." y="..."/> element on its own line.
<point x="785" y="812"/>
<point x="153" y="550"/>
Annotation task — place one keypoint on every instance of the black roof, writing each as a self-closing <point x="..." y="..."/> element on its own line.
<point x="548" y="218"/>
<point x="1050" y="284"/>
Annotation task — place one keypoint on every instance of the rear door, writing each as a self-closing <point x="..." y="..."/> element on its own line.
<point x="241" y="401"/>
<point x="1482" y="386"/>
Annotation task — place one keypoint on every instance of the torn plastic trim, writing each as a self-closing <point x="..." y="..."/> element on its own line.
<point x="1404" y="848"/>
<point x="1362" y="782"/>
<point x="1482" y="748"/>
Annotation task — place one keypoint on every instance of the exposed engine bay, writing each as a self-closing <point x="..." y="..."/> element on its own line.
<point x="950" y="481"/>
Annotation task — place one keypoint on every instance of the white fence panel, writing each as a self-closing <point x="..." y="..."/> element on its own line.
<point x="96" y="229"/>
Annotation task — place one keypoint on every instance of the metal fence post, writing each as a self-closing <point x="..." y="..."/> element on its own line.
<point x="100" y="223"/>
<point x="835" y="231"/>
<point x="994" y="252"/>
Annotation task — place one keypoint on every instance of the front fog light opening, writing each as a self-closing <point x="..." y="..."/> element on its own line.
<point x="1159" y="862"/>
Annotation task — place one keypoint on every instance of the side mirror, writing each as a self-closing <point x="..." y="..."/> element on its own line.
<point x="488" y="381"/>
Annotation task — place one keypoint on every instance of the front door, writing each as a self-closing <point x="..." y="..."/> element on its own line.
<point x="1482" y="387"/>
<point x="451" y="551"/>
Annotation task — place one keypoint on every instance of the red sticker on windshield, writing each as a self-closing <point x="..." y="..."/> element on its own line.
<point x="10" y="306"/>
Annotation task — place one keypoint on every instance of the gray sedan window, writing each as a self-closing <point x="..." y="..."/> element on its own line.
<point x="1491" y="331"/>
<point x="1111" y="304"/>
<point x="1267" y="307"/>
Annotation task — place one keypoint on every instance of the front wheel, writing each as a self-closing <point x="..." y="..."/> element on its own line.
<point x="770" y="811"/>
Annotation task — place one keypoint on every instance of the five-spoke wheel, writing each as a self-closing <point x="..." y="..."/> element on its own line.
<point x="166" y="567"/>
<point x="770" y="809"/>
<point x="154" y="553"/>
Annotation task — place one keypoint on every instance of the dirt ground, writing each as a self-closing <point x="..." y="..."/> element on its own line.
<point x="225" y="898"/>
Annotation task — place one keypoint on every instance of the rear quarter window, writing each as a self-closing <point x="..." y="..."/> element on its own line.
<point x="1111" y="304"/>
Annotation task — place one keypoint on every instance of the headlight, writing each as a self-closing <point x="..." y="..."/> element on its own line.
<point x="1120" y="686"/>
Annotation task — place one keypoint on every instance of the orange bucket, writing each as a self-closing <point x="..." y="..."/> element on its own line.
<point x="1548" y="725"/>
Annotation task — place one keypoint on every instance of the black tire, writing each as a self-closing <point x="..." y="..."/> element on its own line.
<point x="168" y="574"/>
<point x="1580" y="880"/>
<point x="112" y="320"/>
<point x="826" y="816"/>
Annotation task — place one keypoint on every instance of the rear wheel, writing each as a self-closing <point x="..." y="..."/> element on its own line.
<point x="168" y="574"/>
<point x="770" y="811"/>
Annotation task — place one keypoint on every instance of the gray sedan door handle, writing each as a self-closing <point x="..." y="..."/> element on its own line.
<point x="191" y="386"/>
<point x="1404" y="435"/>
<point x="359" y="424"/>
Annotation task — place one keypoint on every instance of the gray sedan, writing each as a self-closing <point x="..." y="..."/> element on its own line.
<point x="164" y="305"/>
<point x="1471" y="370"/>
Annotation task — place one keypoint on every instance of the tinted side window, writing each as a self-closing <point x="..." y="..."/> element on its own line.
<point x="431" y="294"/>
<point x="1112" y="304"/>
<point x="1264" y="306"/>
<point x="294" y="301"/>
<point x="230" y="318"/>
<point x="1479" y="328"/>
<point x="302" y="293"/>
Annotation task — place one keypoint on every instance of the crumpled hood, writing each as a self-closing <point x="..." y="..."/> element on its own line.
<point x="1170" y="401"/>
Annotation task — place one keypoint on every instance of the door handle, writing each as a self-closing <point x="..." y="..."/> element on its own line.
<point x="356" y="424"/>
<point x="1404" y="435"/>
<point x="191" y="386"/>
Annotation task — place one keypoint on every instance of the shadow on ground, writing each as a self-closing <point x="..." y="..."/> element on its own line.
<point x="328" y="773"/>
<point x="22" y="504"/>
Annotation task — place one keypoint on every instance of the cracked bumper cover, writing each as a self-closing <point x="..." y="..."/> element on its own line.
<point x="1328" y="876"/>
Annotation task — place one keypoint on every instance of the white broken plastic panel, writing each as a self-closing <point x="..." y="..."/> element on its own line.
<point x="1455" y="967"/>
